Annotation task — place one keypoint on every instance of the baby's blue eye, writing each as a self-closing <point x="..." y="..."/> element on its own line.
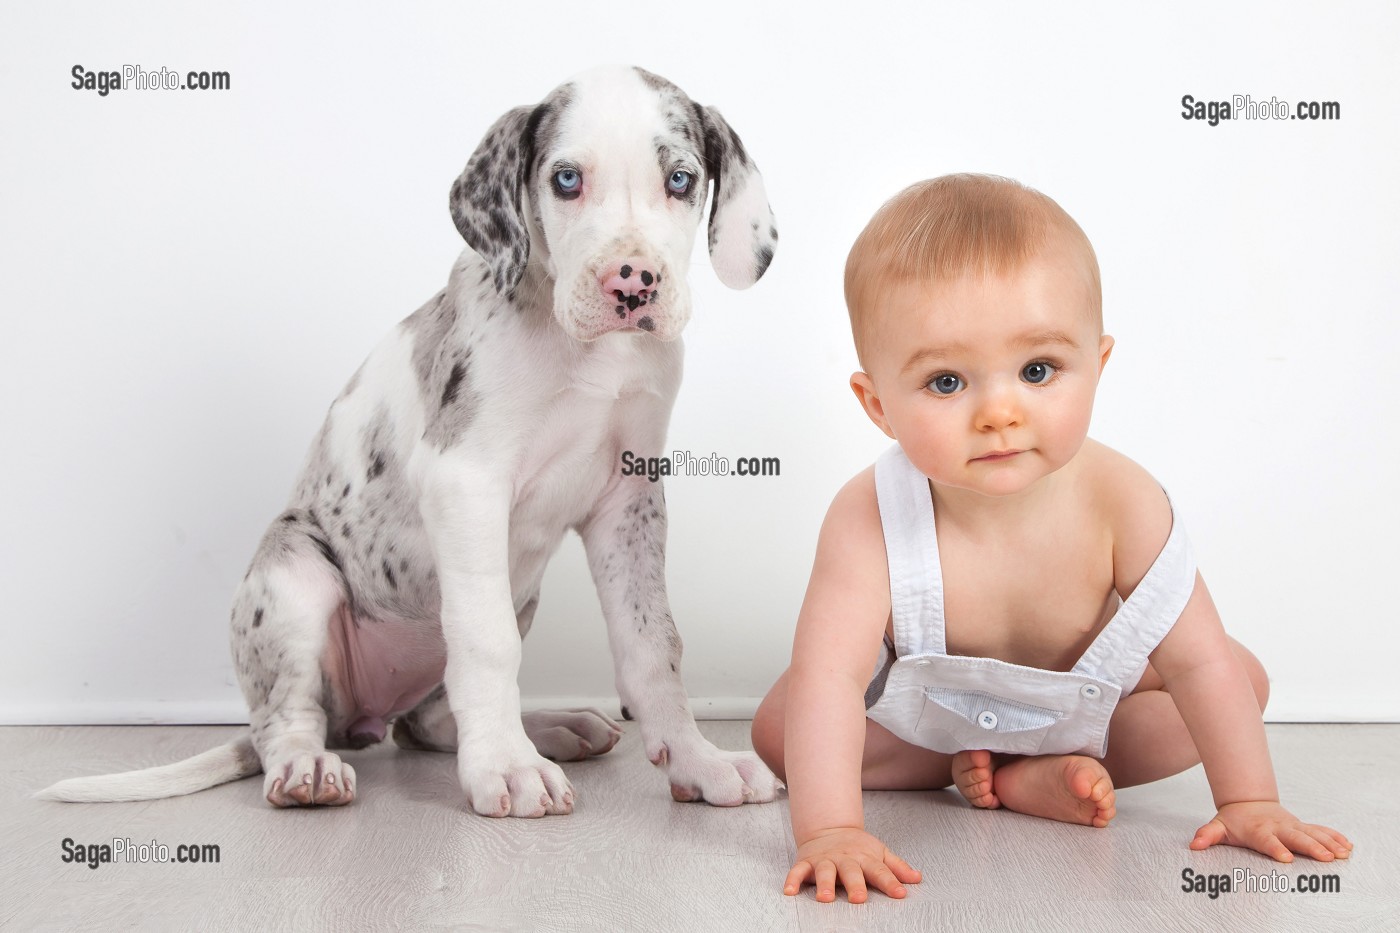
<point x="1038" y="373"/>
<point x="568" y="181"/>
<point x="945" y="383"/>
<point x="679" y="182"/>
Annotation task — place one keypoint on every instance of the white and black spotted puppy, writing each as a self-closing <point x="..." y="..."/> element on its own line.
<point x="399" y="582"/>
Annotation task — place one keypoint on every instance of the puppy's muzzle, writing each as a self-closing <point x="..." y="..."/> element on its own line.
<point x="632" y="286"/>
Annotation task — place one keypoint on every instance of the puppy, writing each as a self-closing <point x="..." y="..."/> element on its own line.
<point x="397" y="585"/>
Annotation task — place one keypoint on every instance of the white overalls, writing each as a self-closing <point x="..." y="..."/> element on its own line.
<point x="949" y="703"/>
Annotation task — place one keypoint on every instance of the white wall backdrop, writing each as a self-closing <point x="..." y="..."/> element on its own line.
<point x="188" y="279"/>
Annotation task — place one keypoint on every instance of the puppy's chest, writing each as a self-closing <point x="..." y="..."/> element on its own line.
<point x="568" y="463"/>
<point x="595" y="400"/>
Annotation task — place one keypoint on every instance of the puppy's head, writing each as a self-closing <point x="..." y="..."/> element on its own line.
<point x="603" y="186"/>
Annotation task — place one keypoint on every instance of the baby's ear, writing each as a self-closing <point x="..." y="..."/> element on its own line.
<point x="864" y="388"/>
<point x="1105" y="350"/>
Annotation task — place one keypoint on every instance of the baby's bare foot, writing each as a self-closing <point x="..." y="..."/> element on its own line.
<point x="972" y="773"/>
<point x="1069" y="788"/>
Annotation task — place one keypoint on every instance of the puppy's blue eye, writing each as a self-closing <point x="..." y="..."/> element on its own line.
<point x="679" y="182"/>
<point x="1037" y="373"/>
<point x="568" y="181"/>
<point x="945" y="383"/>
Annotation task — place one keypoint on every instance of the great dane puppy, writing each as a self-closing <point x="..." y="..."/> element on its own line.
<point x="400" y="580"/>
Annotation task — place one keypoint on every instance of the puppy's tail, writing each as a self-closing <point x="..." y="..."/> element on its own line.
<point x="219" y="765"/>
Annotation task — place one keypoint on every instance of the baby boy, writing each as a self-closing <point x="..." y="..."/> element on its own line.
<point x="999" y="594"/>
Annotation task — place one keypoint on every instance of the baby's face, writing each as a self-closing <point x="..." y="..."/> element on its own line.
<point x="988" y="382"/>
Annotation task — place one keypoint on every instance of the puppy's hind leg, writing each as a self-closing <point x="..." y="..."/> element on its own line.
<point x="429" y="726"/>
<point x="571" y="734"/>
<point x="280" y="621"/>
<point x="560" y="735"/>
<point x="566" y="734"/>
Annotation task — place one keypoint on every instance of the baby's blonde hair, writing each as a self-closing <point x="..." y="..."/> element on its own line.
<point x="947" y="227"/>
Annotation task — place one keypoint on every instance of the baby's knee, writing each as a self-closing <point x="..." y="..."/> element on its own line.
<point x="1258" y="677"/>
<point x="767" y="732"/>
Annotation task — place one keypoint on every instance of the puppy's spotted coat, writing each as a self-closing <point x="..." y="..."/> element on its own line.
<point x="399" y="582"/>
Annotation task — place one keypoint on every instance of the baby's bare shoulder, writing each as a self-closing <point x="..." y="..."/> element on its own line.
<point x="852" y="526"/>
<point x="855" y="501"/>
<point x="1117" y="481"/>
<point x="848" y="596"/>
<point x="1133" y="507"/>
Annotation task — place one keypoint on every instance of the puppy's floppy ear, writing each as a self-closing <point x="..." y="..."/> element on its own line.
<point x="486" y="198"/>
<point x="743" y="234"/>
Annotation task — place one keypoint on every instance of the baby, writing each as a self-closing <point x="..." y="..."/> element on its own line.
<point x="1019" y="591"/>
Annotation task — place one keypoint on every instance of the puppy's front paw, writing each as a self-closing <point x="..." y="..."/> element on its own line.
<point x="527" y="786"/>
<point x="308" y="780"/>
<point x="700" y="771"/>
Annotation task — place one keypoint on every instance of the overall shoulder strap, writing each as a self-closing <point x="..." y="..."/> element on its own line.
<point x="911" y="546"/>
<point x="1145" y="618"/>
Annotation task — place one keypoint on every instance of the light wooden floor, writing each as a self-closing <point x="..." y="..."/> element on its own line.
<point x="407" y="855"/>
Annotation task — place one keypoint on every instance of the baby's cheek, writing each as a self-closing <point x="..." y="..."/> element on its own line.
<point x="1071" y="428"/>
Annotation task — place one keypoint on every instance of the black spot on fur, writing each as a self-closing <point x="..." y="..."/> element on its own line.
<point x="626" y="271"/>
<point x="647" y="324"/>
<point x="632" y="301"/>
<point x="327" y="552"/>
<point x="257" y="617"/>
<point x="646" y="277"/>
<point x="454" y="381"/>
<point x="346" y="491"/>
<point x="289" y="518"/>
<point x="763" y="258"/>
<point x="626" y="714"/>
<point x="377" y="467"/>
<point x="389" y="575"/>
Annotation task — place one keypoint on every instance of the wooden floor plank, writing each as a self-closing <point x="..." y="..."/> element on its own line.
<point x="407" y="855"/>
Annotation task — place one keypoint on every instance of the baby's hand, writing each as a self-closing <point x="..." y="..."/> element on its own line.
<point x="853" y="855"/>
<point x="1267" y="828"/>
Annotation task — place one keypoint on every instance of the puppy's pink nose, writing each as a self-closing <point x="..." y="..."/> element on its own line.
<point x="630" y="285"/>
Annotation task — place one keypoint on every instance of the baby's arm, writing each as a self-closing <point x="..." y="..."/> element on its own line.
<point x="1212" y="692"/>
<point x="839" y="631"/>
